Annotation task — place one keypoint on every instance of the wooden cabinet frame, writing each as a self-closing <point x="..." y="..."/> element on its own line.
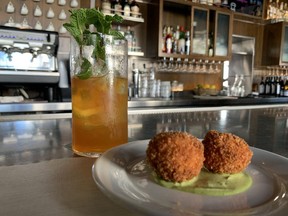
<point x="192" y="7"/>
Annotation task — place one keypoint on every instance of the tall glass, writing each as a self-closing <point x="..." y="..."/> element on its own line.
<point x="99" y="95"/>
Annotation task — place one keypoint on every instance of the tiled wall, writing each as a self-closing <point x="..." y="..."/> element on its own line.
<point x="37" y="14"/>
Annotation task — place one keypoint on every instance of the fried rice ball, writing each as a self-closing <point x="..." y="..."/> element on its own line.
<point x="225" y="153"/>
<point x="175" y="156"/>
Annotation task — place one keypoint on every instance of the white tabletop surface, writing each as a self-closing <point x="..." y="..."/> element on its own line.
<point x="57" y="187"/>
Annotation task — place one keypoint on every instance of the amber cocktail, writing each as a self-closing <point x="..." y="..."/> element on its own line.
<point x="99" y="113"/>
<point x="99" y="96"/>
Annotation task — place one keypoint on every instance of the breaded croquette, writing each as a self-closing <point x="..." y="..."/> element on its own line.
<point x="175" y="156"/>
<point x="225" y="153"/>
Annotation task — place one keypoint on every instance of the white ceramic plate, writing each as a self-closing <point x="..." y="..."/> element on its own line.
<point x="122" y="174"/>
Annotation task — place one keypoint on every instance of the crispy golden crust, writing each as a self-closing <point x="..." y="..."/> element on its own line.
<point x="225" y="152"/>
<point x="175" y="156"/>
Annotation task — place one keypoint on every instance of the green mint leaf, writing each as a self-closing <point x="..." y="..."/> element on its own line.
<point x="80" y="21"/>
<point x="116" y="34"/>
<point x="77" y="24"/>
<point x="86" y="69"/>
<point x="99" y="51"/>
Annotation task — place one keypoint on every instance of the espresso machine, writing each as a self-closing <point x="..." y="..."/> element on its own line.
<point x="28" y="63"/>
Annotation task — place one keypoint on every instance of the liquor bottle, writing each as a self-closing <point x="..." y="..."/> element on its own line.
<point x="217" y="2"/>
<point x="211" y="44"/>
<point x="126" y="8"/>
<point x="164" y="34"/>
<point x="262" y="87"/>
<point x="135" y="9"/>
<point x="267" y="86"/>
<point x="174" y="43"/>
<point x="286" y="88"/>
<point x="177" y="33"/>
<point x="117" y="7"/>
<point x="134" y="44"/>
<point x="120" y="31"/>
<point x="282" y="87"/>
<point x="187" y="43"/>
<point x="129" y="37"/>
<point x="277" y="87"/>
<point x="144" y="82"/>
<point x="135" y="80"/>
<point x="176" y="36"/>
<point x="168" y="40"/>
<point x="210" y="2"/>
<point x="272" y="86"/>
<point x="106" y="6"/>
<point x="181" y="41"/>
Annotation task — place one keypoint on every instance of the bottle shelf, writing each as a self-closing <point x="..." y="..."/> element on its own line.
<point x="129" y="20"/>
<point x="132" y="53"/>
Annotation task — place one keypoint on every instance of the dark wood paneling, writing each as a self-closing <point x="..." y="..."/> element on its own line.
<point x="272" y="44"/>
<point x="250" y="29"/>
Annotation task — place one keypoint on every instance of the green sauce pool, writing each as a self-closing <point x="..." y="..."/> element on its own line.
<point x="212" y="184"/>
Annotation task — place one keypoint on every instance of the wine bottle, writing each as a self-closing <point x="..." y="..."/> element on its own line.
<point x="262" y="87"/>
<point x="282" y="87"/>
<point x="286" y="88"/>
<point x="277" y="87"/>
<point x="272" y="86"/>
<point x="267" y="86"/>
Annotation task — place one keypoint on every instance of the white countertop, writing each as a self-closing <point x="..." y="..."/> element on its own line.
<point x="57" y="187"/>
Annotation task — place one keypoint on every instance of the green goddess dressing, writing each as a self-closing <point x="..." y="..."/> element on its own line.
<point x="213" y="184"/>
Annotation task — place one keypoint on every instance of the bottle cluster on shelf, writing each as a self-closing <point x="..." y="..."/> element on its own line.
<point x="178" y="41"/>
<point x="121" y="7"/>
<point x="274" y="86"/>
<point x="210" y="2"/>
<point x="189" y="66"/>
<point x="277" y="10"/>
<point x="131" y="38"/>
<point x="175" y="40"/>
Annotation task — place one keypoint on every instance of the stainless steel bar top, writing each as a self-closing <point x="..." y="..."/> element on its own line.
<point x="40" y="175"/>
<point x="52" y="132"/>
<point x="143" y="103"/>
<point x="35" y="107"/>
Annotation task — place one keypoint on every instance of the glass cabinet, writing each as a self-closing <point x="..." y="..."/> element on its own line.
<point x="207" y="30"/>
<point x="222" y="39"/>
<point x="199" y="31"/>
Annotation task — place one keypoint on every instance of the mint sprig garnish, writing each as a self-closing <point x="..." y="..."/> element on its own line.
<point x="79" y="28"/>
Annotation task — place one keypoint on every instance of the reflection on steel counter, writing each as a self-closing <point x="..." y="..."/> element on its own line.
<point x="196" y="123"/>
<point x="31" y="141"/>
<point x="265" y="128"/>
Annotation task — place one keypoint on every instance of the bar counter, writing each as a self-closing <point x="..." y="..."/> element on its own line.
<point x="40" y="175"/>
<point x="143" y="103"/>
